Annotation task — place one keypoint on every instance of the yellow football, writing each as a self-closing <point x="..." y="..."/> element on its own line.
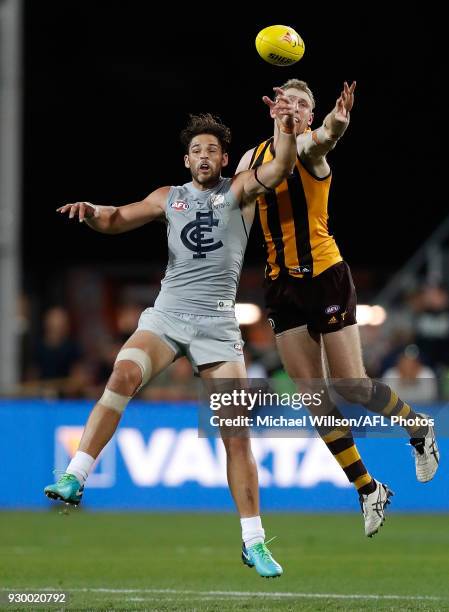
<point x="280" y="45"/>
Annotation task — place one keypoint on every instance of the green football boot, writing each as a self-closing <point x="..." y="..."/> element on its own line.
<point x="67" y="489"/>
<point x="260" y="557"/>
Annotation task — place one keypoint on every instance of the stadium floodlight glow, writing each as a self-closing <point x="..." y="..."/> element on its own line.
<point x="370" y="315"/>
<point x="378" y="315"/>
<point x="247" y="314"/>
<point x="363" y="314"/>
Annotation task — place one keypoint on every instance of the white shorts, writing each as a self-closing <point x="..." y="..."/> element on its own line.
<point x="202" y="339"/>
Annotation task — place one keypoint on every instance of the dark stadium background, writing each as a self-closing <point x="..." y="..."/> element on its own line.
<point x="109" y="85"/>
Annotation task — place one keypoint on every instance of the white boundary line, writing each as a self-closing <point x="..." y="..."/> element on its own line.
<point x="269" y="594"/>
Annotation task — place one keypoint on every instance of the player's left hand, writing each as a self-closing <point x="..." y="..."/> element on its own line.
<point x="345" y="103"/>
<point x="282" y="109"/>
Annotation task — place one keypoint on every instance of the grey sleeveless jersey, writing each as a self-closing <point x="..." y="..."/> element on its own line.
<point x="207" y="239"/>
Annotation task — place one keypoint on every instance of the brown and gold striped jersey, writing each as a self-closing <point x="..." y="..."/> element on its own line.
<point x="294" y="219"/>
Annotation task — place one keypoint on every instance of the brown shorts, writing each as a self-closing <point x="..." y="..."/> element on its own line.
<point x="325" y="303"/>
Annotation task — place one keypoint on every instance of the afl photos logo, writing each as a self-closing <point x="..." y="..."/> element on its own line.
<point x="193" y="235"/>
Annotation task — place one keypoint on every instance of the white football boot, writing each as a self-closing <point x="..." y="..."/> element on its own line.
<point x="373" y="508"/>
<point x="426" y="453"/>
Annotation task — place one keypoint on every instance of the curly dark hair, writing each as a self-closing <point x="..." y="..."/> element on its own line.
<point x="206" y="124"/>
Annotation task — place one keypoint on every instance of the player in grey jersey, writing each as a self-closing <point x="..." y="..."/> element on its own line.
<point x="208" y="221"/>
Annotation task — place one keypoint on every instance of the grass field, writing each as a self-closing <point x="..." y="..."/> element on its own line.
<point x="191" y="562"/>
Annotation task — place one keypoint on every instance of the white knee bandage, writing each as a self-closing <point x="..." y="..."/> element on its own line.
<point x="139" y="357"/>
<point x="113" y="400"/>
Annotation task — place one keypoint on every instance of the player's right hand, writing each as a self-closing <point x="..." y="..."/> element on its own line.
<point x="82" y="210"/>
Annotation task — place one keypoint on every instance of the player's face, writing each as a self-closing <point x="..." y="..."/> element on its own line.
<point x="303" y="108"/>
<point x="205" y="159"/>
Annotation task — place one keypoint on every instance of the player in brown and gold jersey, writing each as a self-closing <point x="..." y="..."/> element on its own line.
<point x="311" y="299"/>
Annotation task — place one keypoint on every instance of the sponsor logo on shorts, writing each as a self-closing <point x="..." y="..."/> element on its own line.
<point x="271" y="322"/>
<point x="180" y="205"/>
<point x="225" y="305"/>
<point x="332" y="321"/>
<point x="238" y="347"/>
<point x="332" y="309"/>
<point x="343" y="314"/>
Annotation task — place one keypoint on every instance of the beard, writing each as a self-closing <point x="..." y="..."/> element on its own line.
<point x="206" y="178"/>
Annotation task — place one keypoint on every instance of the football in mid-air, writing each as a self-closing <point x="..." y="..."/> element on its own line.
<point x="280" y="45"/>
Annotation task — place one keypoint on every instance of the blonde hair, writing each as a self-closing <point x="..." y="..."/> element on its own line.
<point x="301" y="86"/>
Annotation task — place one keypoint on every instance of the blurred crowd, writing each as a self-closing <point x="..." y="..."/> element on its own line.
<point x="66" y="356"/>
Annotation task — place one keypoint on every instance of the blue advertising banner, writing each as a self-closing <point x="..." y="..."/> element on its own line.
<point x="156" y="461"/>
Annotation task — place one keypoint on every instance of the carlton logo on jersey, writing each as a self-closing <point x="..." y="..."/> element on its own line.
<point x="180" y="205"/>
<point x="193" y="235"/>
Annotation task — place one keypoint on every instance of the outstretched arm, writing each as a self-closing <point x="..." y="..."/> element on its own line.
<point x="119" y="219"/>
<point x="315" y="145"/>
<point x="271" y="174"/>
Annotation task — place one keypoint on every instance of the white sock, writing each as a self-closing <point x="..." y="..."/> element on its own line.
<point x="80" y="466"/>
<point x="252" y="530"/>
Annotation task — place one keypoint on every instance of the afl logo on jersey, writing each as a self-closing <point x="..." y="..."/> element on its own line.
<point x="180" y="205"/>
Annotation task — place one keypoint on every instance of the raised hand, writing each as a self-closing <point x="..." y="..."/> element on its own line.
<point x="345" y="102"/>
<point x="82" y="210"/>
<point x="282" y="109"/>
